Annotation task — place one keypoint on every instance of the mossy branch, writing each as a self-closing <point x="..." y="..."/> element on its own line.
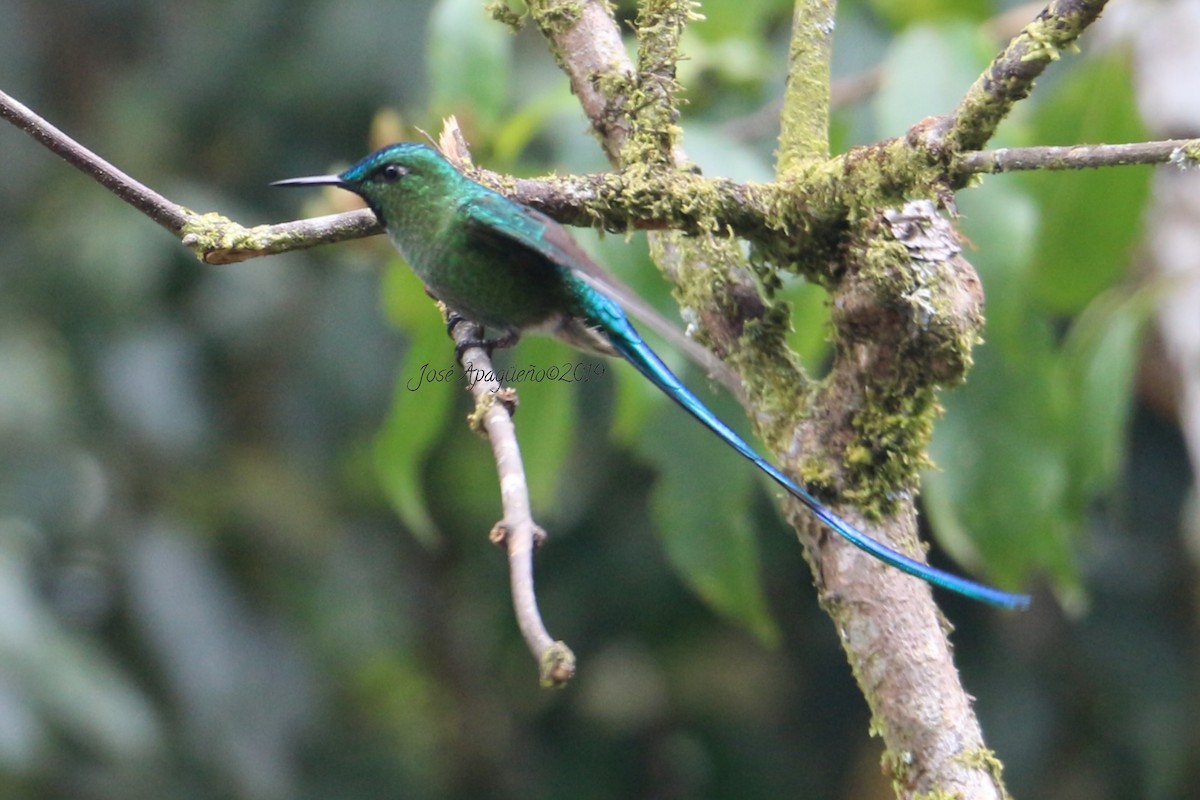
<point x="804" y="116"/>
<point x="1009" y="79"/>
<point x="795" y="217"/>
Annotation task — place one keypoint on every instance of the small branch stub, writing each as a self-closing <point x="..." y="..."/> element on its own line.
<point x="557" y="666"/>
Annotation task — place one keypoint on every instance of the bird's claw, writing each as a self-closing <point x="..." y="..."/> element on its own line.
<point x="487" y="345"/>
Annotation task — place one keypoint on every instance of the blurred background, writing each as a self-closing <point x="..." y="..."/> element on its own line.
<point x="240" y="557"/>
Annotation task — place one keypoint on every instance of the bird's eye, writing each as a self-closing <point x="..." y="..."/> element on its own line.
<point x="392" y="173"/>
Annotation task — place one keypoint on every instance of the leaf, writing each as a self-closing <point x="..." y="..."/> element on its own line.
<point x="1101" y="359"/>
<point x="925" y="71"/>
<point x="701" y="508"/>
<point x="748" y="19"/>
<point x="810" y="323"/>
<point x="904" y="12"/>
<point x="547" y="376"/>
<point x="518" y="129"/>
<point x="718" y="155"/>
<point x="420" y="407"/>
<point x="1090" y="219"/>
<point x="1000" y="492"/>
<point x="470" y="60"/>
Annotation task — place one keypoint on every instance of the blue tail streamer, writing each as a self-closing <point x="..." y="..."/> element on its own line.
<point x="626" y="340"/>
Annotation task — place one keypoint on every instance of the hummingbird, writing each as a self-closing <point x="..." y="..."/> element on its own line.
<point x="514" y="270"/>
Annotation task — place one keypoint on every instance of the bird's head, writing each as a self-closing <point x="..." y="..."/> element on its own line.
<point x="393" y="179"/>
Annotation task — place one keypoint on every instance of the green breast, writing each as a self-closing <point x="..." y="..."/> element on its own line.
<point x="501" y="287"/>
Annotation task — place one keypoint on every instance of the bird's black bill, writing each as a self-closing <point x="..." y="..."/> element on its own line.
<point x="314" y="180"/>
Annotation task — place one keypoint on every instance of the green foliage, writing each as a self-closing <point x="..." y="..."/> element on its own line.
<point x="470" y="60"/>
<point x="1021" y="467"/>
<point x="926" y="68"/>
<point x="420" y="408"/>
<point x="904" y="13"/>
<point x="701" y="506"/>
<point x="1092" y="106"/>
<point x="1036" y="433"/>
<point x="725" y="22"/>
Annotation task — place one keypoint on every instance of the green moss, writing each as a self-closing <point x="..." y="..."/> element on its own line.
<point x="555" y="17"/>
<point x="804" y="120"/>
<point x="477" y="418"/>
<point x="895" y="765"/>
<point x="774" y="380"/>
<point x="505" y="14"/>
<point x="984" y="759"/>
<point x="816" y="203"/>
<point x="904" y="321"/>
<point x="1187" y="156"/>
<point x="1044" y="40"/>
<point x="216" y="239"/>
<point x="206" y="234"/>
<point x="556" y="666"/>
<point x="891" y="432"/>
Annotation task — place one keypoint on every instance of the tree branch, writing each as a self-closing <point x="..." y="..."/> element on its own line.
<point x="1180" y="152"/>
<point x="891" y="629"/>
<point x="1010" y="77"/>
<point x="215" y="239"/>
<point x="517" y="532"/>
<point x="158" y="208"/>
<point x="690" y="203"/>
<point x="588" y="47"/>
<point x="804" y="116"/>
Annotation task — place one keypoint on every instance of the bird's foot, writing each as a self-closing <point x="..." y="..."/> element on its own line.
<point x="453" y="320"/>
<point x="487" y="345"/>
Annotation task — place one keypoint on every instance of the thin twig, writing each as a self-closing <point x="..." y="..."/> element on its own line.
<point x="517" y="531"/>
<point x="170" y="215"/>
<point x="1181" y="152"/>
<point x="214" y="238"/>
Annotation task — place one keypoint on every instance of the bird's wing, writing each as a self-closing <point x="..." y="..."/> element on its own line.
<point x="495" y="216"/>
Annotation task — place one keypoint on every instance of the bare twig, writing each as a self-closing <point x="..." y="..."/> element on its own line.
<point x="516" y="531"/>
<point x="215" y="239"/>
<point x="1181" y="152"/>
<point x="170" y="215"/>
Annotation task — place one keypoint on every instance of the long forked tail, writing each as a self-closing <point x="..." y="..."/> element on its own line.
<point x="625" y="339"/>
